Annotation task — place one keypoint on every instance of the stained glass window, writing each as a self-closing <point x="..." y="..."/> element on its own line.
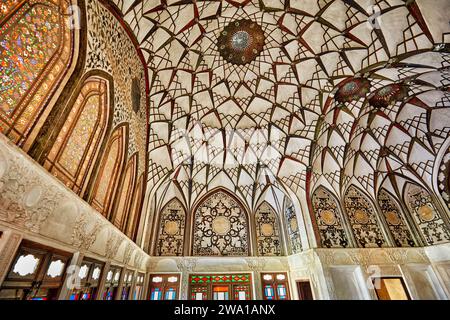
<point x="220" y="286"/>
<point x="77" y="145"/>
<point x="164" y="286"/>
<point x="275" y="286"/>
<point x="125" y="194"/>
<point x="36" y="51"/>
<point x="7" y="7"/>
<point x="156" y="294"/>
<point x="133" y="220"/>
<point x="171" y="294"/>
<point x="269" y="293"/>
<point x="111" y="166"/>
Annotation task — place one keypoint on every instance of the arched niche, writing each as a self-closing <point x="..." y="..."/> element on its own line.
<point x="172" y="224"/>
<point x="125" y="193"/>
<point x="443" y="180"/>
<point x="292" y="228"/>
<point x="330" y="221"/>
<point x="135" y="210"/>
<point x="112" y="164"/>
<point x="395" y="221"/>
<point x="220" y="226"/>
<point x="78" y="143"/>
<point x="363" y="220"/>
<point x="37" y="53"/>
<point x="267" y="228"/>
<point x="425" y="214"/>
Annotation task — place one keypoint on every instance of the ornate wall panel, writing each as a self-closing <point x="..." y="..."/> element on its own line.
<point x="363" y="219"/>
<point x="443" y="180"/>
<point x="36" y="51"/>
<point x="133" y="220"/>
<point x="171" y="229"/>
<point x="220" y="227"/>
<point x="293" y="231"/>
<point x="395" y="221"/>
<point x="77" y="146"/>
<point x="329" y="219"/>
<point x="426" y="216"/>
<point x="125" y="194"/>
<point x="111" y="167"/>
<point x="110" y="49"/>
<point x="267" y="231"/>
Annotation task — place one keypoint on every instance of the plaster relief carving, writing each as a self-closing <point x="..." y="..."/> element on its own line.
<point x="83" y="235"/>
<point x="113" y="244"/>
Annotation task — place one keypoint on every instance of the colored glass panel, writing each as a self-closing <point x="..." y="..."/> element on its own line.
<point x="156" y="294"/>
<point x="35" y="50"/>
<point x="269" y="292"/>
<point x="220" y="278"/>
<point x="171" y="294"/>
<point x="282" y="293"/>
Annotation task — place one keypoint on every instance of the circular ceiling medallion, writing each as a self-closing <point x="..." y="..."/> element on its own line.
<point x="426" y="213"/>
<point x="221" y="225"/>
<point x="389" y="94"/>
<point x="361" y="216"/>
<point x="392" y="218"/>
<point x="171" y="228"/>
<point x="352" y="89"/>
<point x="241" y="42"/>
<point x="267" y="230"/>
<point x="328" y="217"/>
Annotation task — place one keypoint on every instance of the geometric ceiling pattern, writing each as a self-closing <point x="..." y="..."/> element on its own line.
<point x="275" y="121"/>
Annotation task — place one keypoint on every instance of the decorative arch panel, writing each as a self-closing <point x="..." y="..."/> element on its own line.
<point x="267" y="231"/>
<point x="36" y="52"/>
<point x="426" y="216"/>
<point x="133" y="220"/>
<point x="172" y="224"/>
<point x="125" y="193"/>
<point x="77" y="145"/>
<point x="395" y="221"/>
<point x="329" y="219"/>
<point x="443" y="180"/>
<point x="363" y="219"/>
<point x="220" y="227"/>
<point x="293" y="231"/>
<point x="110" y="170"/>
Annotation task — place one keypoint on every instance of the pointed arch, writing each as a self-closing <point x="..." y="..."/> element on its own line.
<point x="330" y="221"/>
<point x="135" y="210"/>
<point x="292" y="228"/>
<point x="362" y="216"/>
<point x="220" y="226"/>
<point x="425" y="214"/>
<point x="125" y="193"/>
<point x="107" y="180"/>
<point x="171" y="229"/>
<point x="267" y="227"/>
<point x="78" y="143"/>
<point x="443" y="180"/>
<point x="38" y="52"/>
<point x="395" y="221"/>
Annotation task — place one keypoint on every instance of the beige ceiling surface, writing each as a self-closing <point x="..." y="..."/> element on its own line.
<point x="274" y="122"/>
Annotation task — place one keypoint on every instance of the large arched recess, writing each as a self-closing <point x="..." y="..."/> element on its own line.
<point x="208" y="224"/>
<point x="63" y="129"/>
<point x="40" y="53"/>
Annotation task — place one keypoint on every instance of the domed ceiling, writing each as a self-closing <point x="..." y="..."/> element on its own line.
<point x="287" y="94"/>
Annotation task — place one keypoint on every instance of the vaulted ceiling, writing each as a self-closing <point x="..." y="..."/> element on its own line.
<point x="277" y="121"/>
